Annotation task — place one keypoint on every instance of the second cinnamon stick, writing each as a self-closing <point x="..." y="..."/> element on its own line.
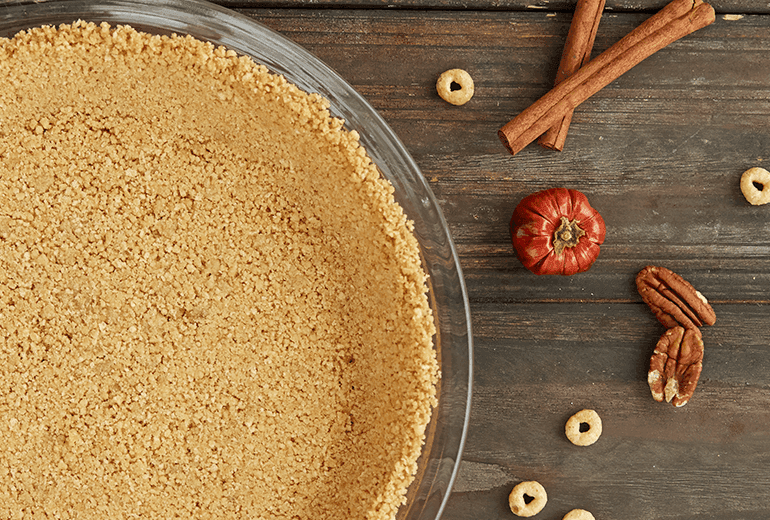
<point x="577" y="52"/>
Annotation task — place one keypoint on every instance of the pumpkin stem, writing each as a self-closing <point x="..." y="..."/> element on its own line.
<point x="566" y="235"/>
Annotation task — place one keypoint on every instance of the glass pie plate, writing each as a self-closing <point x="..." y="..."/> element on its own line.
<point x="445" y="436"/>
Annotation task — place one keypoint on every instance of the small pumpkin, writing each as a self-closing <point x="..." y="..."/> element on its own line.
<point x="556" y="231"/>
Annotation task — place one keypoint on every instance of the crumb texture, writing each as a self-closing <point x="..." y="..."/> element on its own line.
<point x="212" y="307"/>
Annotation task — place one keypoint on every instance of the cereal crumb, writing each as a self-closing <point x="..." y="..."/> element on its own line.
<point x="189" y="326"/>
<point x="527" y="498"/>
<point x="755" y="186"/>
<point x="578" y="514"/>
<point x="584" y="428"/>
<point x="455" y="86"/>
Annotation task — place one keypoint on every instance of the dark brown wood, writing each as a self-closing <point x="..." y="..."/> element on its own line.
<point x="659" y="152"/>
<point x="546" y="6"/>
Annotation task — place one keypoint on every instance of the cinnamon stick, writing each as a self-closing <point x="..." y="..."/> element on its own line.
<point x="676" y="20"/>
<point x="577" y="52"/>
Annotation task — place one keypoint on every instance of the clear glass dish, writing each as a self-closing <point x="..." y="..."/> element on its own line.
<point x="439" y="462"/>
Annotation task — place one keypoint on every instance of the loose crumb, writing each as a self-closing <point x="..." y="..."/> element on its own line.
<point x="212" y="307"/>
<point x="755" y="186"/>
<point x="455" y="86"/>
<point x="584" y="428"/>
<point x="579" y="514"/>
<point x="527" y="498"/>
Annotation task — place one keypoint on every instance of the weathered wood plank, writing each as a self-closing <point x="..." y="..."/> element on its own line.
<point x="645" y="6"/>
<point x="538" y="364"/>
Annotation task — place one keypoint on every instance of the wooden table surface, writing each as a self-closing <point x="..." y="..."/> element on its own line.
<point x="659" y="153"/>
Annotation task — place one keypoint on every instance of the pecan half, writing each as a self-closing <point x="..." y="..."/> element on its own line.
<point x="675" y="365"/>
<point x="672" y="299"/>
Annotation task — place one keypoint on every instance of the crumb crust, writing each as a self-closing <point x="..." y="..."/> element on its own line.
<point x="212" y="306"/>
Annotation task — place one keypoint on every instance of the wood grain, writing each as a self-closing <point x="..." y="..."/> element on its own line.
<point x="618" y="6"/>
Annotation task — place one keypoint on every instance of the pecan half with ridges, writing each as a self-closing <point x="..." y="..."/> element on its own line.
<point x="672" y="299"/>
<point x="675" y="365"/>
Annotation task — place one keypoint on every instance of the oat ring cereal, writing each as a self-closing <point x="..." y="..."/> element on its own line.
<point x="527" y="498"/>
<point x="755" y="185"/>
<point x="578" y="514"/>
<point x="454" y="95"/>
<point x="584" y="428"/>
